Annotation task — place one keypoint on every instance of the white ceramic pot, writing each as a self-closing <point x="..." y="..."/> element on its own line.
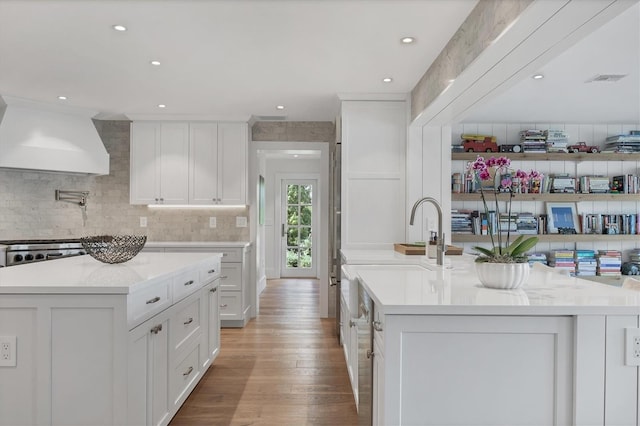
<point x="503" y="275"/>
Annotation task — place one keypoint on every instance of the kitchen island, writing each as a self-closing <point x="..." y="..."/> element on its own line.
<point x="449" y="351"/>
<point x="93" y="343"/>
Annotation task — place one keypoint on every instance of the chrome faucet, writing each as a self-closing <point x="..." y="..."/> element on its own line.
<point x="440" y="247"/>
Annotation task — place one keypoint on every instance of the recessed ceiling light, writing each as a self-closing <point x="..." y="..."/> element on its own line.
<point x="120" y="28"/>
<point x="62" y="98"/>
<point x="537" y="76"/>
<point x="156" y="63"/>
<point x="162" y="106"/>
<point x="279" y="106"/>
<point x="407" y="40"/>
<point x="387" y="80"/>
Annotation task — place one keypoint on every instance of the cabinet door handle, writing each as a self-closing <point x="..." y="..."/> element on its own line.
<point x="154" y="300"/>
<point x="211" y="271"/>
<point x="282" y="231"/>
<point x="213" y="290"/>
<point x="352" y="323"/>
<point x="224" y="277"/>
<point x="189" y="321"/>
<point x="370" y="354"/>
<point x="189" y="282"/>
<point x="225" y="254"/>
<point x="157" y="329"/>
<point x="377" y="326"/>
<point x="224" y="305"/>
<point x="189" y="370"/>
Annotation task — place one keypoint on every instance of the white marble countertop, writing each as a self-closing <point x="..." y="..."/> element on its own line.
<point x="197" y="244"/>
<point x="85" y="275"/>
<point x="424" y="288"/>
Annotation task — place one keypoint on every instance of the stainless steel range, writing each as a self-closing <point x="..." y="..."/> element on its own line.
<point x="18" y="252"/>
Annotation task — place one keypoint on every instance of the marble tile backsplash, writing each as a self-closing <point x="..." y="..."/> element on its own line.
<point x="28" y="208"/>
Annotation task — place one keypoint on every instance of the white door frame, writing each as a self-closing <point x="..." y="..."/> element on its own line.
<point x="323" y="189"/>
<point x="317" y="228"/>
<point x="292" y="272"/>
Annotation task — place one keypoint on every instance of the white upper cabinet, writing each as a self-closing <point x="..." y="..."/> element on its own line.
<point x="158" y="174"/>
<point x="188" y="163"/>
<point x="232" y="163"/>
<point x="203" y="176"/>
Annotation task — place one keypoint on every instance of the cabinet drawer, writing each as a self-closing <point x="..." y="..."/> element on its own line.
<point x="230" y="254"/>
<point x="185" y="324"/>
<point x="184" y="284"/>
<point x="185" y="375"/>
<point x="231" y="278"/>
<point x="230" y="305"/>
<point x="147" y="302"/>
<point x="210" y="270"/>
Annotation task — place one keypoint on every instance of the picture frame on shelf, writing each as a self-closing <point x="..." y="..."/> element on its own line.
<point x="562" y="218"/>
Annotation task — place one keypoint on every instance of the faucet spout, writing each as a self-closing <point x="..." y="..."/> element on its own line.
<point x="440" y="247"/>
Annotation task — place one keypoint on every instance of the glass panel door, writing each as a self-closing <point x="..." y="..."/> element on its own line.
<point x="298" y="250"/>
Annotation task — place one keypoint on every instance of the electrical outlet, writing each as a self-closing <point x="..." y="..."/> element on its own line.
<point x="143" y="221"/>
<point x="241" y="221"/>
<point x="632" y="346"/>
<point x="8" y="351"/>
<point x="212" y="222"/>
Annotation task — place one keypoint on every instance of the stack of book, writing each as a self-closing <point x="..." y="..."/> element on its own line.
<point x="563" y="260"/>
<point x="557" y="140"/>
<point x="623" y="143"/>
<point x="609" y="262"/>
<point x="461" y="222"/>
<point x="586" y="263"/>
<point x="537" y="258"/>
<point x="634" y="256"/>
<point x="527" y="223"/>
<point x="507" y="223"/>
<point x="533" y="141"/>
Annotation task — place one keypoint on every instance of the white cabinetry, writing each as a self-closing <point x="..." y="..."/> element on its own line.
<point x="159" y="172"/>
<point x="188" y="163"/>
<point x="373" y="173"/>
<point x="235" y="293"/>
<point x="110" y="359"/>
<point x="218" y="163"/>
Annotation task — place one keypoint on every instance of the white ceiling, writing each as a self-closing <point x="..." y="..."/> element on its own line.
<point x="564" y="94"/>
<point x="227" y="58"/>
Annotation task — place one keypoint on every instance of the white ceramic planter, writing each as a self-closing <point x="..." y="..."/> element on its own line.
<point x="503" y="275"/>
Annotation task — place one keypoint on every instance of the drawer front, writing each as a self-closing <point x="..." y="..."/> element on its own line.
<point x="210" y="270"/>
<point x="230" y="254"/>
<point x="230" y="305"/>
<point x="185" y="376"/>
<point x="184" y="284"/>
<point x="185" y="324"/>
<point x="149" y="301"/>
<point x="231" y="278"/>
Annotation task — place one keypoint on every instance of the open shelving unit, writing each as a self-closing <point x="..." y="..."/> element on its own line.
<point x="550" y="197"/>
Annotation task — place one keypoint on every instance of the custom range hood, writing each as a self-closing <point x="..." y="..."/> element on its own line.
<point x="36" y="136"/>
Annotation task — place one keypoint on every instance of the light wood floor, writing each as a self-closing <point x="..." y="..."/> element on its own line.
<point x="284" y="368"/>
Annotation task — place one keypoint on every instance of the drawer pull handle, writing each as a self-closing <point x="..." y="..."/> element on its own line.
<point x="186" y="373"/>
<point x="224" y="254"/>
<point x="154" y="300"/>
<point x="189" y="282"/>
<point x="157" y="329"/>
<point x="224" y="277"/>
<point x="213" y="290"/>
<point x="211" y="271"/>
<point x="189" y="321"/>
<point x="224" y="305"/>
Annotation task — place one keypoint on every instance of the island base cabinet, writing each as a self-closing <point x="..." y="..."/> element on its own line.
<point x="148" y="375"/>
<point x="439" y="370"/>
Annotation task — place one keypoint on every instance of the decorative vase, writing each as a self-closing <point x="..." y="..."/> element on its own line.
<point x="502" y="275"/>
